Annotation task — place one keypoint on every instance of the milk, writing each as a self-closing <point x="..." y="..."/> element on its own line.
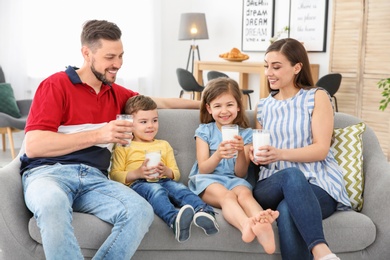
<point x="154" y="158"/>
<point x="260" y="138"/>
<point x="127" y="118"/>
<point x="228" y="133"/>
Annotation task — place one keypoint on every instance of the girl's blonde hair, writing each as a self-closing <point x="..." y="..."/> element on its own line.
<point x="216" y="88"/>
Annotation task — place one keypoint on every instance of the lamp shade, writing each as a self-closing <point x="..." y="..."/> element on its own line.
<point x="193" y="26"/>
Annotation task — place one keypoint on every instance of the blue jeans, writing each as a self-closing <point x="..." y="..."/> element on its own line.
<point x="301" y="206"/>
<point x="53" y="192"/>
<point x="167" y="194"/>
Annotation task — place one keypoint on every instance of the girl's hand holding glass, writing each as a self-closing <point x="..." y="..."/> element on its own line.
<point x="229" y="133"/>
<point x="237" y="143"/>
<point x="230" y="148"/>
<point x="226" y="151"/>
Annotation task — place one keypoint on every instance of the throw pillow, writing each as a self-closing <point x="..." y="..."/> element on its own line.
<point x="347" y="148"/>
<point x="7" y="101"/>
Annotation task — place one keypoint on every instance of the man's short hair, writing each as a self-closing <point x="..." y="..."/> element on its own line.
<point x="95" y="30"/>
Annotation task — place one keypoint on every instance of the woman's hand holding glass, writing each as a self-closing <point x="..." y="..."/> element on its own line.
<point x="264" y="155"/>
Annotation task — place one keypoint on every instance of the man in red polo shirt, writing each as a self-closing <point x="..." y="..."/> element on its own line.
<point x="70" y="132"/>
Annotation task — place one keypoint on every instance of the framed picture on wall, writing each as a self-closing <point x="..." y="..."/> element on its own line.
<point x="308" y="23"/>
<point x="257" y="24"/>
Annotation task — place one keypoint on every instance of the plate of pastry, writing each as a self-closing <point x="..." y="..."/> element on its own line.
<point x="234" y="55"/>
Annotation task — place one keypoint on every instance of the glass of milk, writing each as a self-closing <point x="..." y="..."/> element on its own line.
<point x="260" y="137"/>
<point x="228" y="133"/>
<point x="127" y="118"/>
<point x="154" y="157"/>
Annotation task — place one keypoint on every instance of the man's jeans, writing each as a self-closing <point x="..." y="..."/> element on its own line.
<point x="53" y="192"/>
<point x="165" y="194"/>
<point x="301" y="206"/>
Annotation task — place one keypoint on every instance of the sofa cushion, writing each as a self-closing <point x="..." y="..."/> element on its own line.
<point x="7" y="101"/>
<point x="347" y="148"/>
<point x="345" y="231"/>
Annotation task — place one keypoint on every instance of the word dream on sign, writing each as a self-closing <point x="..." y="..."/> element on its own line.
<point x="256" y="21"/>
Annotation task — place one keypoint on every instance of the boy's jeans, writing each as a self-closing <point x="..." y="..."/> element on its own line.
<point x="165" y="194"/>
<point x="53" y="192"/>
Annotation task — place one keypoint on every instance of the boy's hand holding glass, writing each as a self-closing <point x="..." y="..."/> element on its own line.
<point x="153" y="159"/>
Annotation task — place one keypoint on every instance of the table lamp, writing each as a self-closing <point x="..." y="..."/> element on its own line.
<point x="193" y="27"/>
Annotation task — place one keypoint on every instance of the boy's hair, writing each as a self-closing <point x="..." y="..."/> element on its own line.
<point x="95" y="30"/>
<point x="140" y="102"/>
<point x="216" y="88"/>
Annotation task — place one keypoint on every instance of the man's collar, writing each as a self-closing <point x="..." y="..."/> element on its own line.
<point x="74" y="77"/>
<point x="72" y="74"/>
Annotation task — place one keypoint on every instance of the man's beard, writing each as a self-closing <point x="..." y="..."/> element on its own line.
<point x="100" y="76"/>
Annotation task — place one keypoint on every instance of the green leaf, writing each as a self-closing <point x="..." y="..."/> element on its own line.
<point x="384" y="84"/>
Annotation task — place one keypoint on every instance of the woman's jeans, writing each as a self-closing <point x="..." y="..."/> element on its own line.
<point x="53" y="192"/>
<point x="167" y="194"/>
<point x="301" y="206"/>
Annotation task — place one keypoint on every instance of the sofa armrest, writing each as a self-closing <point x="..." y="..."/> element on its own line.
<point x="376" y="192"/>
<point x="14" y="215"/>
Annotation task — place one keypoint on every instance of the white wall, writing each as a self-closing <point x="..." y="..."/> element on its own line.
<point x="42" y="37"/>
<point x="150" y="37"/>
<point x="224" y="22"/>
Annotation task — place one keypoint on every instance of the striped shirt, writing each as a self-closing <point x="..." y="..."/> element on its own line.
<point x="289" y="122"/>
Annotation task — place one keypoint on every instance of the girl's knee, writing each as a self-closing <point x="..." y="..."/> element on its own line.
<point x="230" y="195"/>
<point x="244" y="195"/>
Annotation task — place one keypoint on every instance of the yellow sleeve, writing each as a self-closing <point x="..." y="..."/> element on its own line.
<point x="118" y="170"/>
<point x="170" y="161"/>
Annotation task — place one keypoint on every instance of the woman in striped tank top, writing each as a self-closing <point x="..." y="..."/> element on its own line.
<point x="298" y="175"/>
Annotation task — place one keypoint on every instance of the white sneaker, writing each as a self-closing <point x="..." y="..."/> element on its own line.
<point x="329" y="257"/>
<point x="207" y="222"/>
<point x="182" y="224"/>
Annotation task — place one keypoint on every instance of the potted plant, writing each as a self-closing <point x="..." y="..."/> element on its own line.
<point x="384" y="84"/>
<point x="278" y="34"/>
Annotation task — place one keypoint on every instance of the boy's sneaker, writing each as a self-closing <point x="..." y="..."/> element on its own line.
<point x="207" y="222"/>
<point x="182" y="224"/>
<point x="330" y="257"/>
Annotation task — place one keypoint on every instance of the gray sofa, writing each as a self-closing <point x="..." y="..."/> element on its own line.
<point x="351" y="235"/>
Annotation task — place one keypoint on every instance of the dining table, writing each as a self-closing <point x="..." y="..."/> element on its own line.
<point x="243" y="68"/>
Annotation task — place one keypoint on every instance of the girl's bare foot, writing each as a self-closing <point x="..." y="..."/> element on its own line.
<point x="265" y="236"/>
<point x="267" y="216"/>
<point x="247" y="233"/>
